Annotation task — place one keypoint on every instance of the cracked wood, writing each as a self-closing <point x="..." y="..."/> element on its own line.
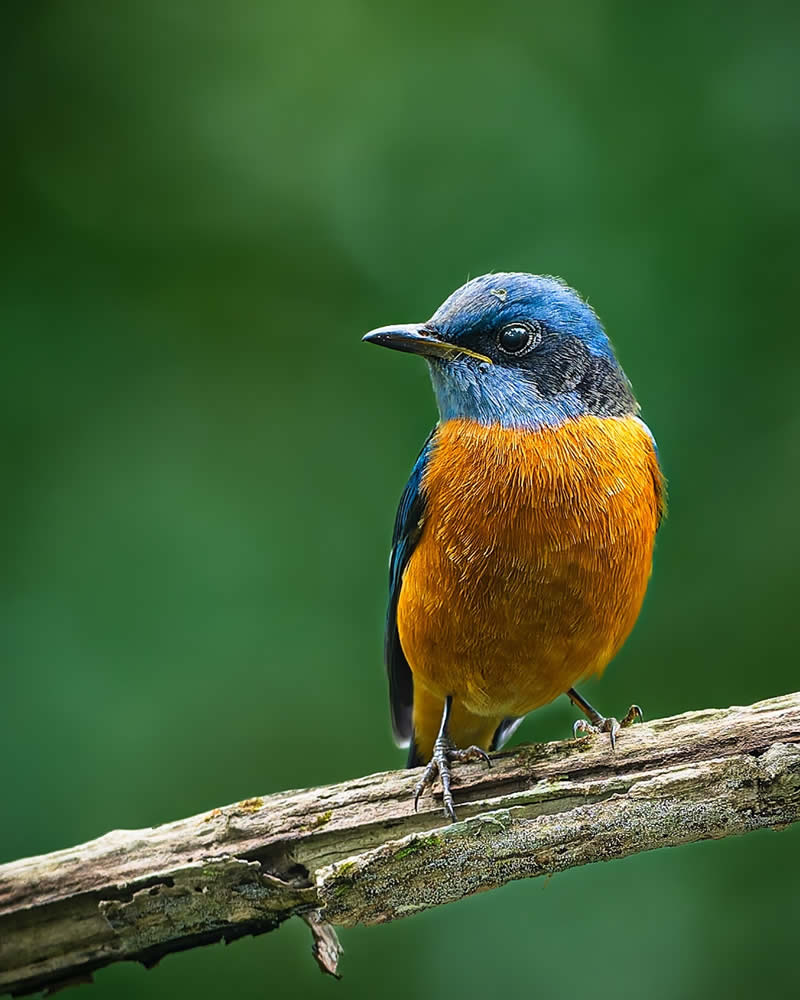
<point x="358" y="851"/>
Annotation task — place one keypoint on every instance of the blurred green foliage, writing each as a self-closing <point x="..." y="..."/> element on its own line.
<point x="205" y="206"/>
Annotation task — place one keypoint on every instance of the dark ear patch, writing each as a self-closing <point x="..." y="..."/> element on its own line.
<point x="606" y="391"/>
<point x="566" y="365"/>
<point x="561" y="364"/>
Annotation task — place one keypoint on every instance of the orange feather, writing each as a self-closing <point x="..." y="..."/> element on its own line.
<point x="531" y="569"/>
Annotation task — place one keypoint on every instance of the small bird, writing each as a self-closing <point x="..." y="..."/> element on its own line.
<point x="523" y="542"/>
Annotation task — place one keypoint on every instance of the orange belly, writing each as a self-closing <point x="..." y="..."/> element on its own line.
<point x="532" y="565"/>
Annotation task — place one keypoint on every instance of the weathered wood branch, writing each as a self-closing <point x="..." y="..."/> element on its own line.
<point x="358" y="853"/>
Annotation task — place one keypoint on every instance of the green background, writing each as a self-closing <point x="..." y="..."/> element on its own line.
<point x="205" y="206"/>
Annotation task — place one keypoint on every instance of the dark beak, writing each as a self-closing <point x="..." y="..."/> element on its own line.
<point x="415" y="338"/>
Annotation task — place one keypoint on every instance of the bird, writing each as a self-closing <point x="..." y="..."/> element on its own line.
<point x="523" y="541"/>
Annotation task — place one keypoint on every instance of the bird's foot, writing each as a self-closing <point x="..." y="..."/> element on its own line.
<point x="445" y="754"/>
<point x="597" y="723"/>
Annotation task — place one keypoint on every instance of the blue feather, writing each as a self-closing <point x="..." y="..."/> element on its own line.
<point x="509" y="297"/>
<point x="574" y="372"/>
<point x="407" y="530"/>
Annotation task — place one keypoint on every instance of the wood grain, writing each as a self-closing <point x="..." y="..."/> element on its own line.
<point x="357" y="853"/>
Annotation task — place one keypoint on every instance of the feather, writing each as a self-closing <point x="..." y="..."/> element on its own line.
<point x="407" y="530"/>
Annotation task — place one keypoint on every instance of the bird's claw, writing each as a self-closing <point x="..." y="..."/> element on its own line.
<point x="611" y="726"/>
<point x="445" y="754"/>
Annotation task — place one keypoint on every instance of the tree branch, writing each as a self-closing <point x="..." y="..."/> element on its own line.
<point x="358" y="852"/>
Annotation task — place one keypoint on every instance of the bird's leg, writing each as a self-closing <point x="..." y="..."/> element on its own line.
<point x="444" y="754"/>
<point x="598" y="723"/>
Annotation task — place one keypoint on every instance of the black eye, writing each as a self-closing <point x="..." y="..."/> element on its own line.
<point x="518" y="338"/>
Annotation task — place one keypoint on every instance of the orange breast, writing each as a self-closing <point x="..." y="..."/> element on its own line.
<point x="533" y="560"/>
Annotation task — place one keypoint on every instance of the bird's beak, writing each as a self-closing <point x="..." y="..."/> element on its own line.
<point x="416" y="338"/>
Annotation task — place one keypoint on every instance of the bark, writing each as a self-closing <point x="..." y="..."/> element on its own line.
<point x="357" y="853"/>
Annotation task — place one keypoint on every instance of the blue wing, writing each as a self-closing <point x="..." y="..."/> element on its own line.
<point x="407" y="530"/>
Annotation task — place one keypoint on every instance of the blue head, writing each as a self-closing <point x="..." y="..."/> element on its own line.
<point x="518" y="350"/>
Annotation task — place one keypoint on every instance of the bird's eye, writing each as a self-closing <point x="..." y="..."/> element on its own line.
<point x="518" y="338"/>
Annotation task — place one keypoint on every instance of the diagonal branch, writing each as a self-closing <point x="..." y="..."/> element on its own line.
<point x="358" y="851"/>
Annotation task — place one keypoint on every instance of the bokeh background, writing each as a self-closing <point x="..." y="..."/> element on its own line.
<point x="204" y="207"/>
